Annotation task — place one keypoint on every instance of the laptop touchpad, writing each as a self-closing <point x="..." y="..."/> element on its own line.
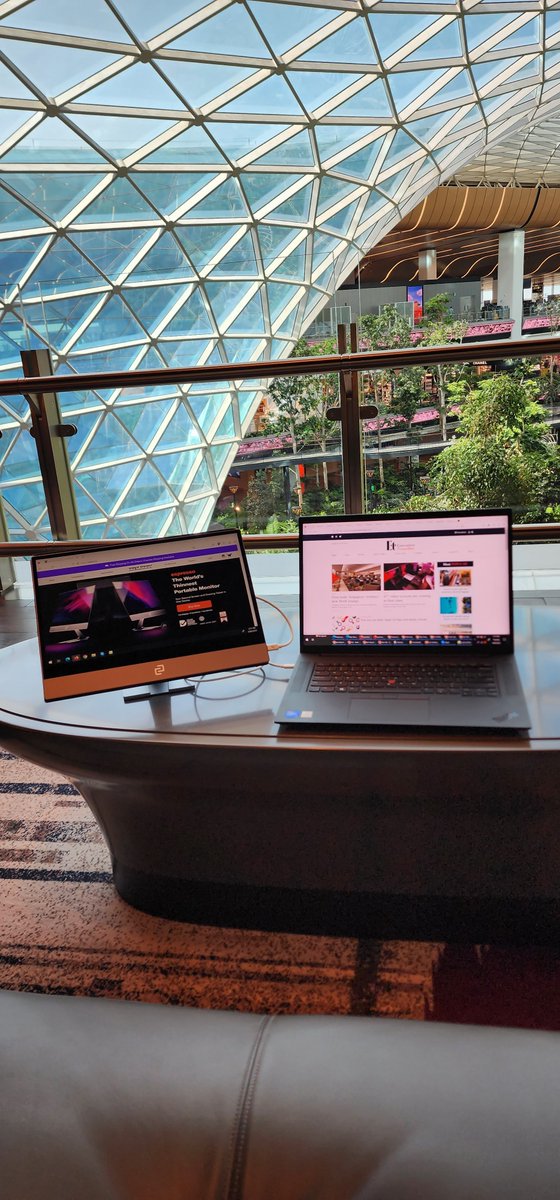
<point x="405" y="711"/>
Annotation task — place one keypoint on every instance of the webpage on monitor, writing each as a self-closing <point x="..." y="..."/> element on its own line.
<point x="438" y="581"/>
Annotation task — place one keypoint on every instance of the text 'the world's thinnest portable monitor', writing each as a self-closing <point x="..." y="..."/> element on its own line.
<point x="406" y="619"/>
<point x="145" y="613"/>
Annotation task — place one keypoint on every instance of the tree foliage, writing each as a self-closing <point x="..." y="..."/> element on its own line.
<point x="504" y="454"/>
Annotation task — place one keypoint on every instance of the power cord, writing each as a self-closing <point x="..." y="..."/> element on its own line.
<point x="279" y="645"/>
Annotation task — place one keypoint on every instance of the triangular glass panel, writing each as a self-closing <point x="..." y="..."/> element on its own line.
<point x="292" y="265"/>
<point x="226" y="428"/>
<point x="238" y="138"/>
<point x="144" y="525"/>
<point x="232" y="28"/>
<point x="111" y="249"/>
<point x="202" y="242"/>
<point x="204" y="409"/>
<point x="54" y="192"/>
<point x="23" y="458"/>
<point x="119" y="135"/>
<point x="110" y="443"/>
<point x="391" y="185"/>
<point x="56" y="67"/>
<point x="62" y="268"/>
<point x="93" y="20"/>
<point x="283" y="33"/>
<point x="279" y="295"/>
<point x="324" y="247"/>
<point x="315" y="88"/>
<point x="295" y="152"/>
<point x="119" y="202"/>
<point x="201" y="481"/>
<point x="169" y="190"/>
<point x="459" y="87"/>
<point x="57" y="320"/>
<point x="180" y="433"/>
<point x="296" y="207"/>
<point x="166" y="261"/>
<point x="481" y="26"/>
<point x="332" y="139"/>
<point x="425" y="128"/>
<point x="485" y="72"/>
<point x="332" y="189"/>
<point x="112" y="325"/>
<point x="371" y="102"/>
<point x="148" y="491"/>
<point x="176" y="468"/>
<point x="143" y="420"/>
<point x="14" y="215"/>
<point x="52" y="141"/>
<point x="280" y="348"/>
<point x="446" y="44"/>
<point x="273" y="96"/>
<point x="243" y="349"/>
<point x="151" y="361"/>
<point x="225" y="201"/>
<point x="314" y="298"/>
<point x="361" y="164"/>
<point x="28" y="499"/>
<point x="251" y="320"/>
<point x="527" y="35"/>
<point x="401" y="146"/>
<point x="12" y="88"/>
<point x="247" y="405"/>
<point x="261" y="188"/>
<point x="12" y="120"/>
<point x="393" y="31"/>
<point x="182" y="354"/>
<point x="175" y="526"/>
<point x="220" y="454"/>
<point x="108" y="359"/>
<point x="201" y="82"/>
<point x="192" y="146"/>
<point x="375" y="201"/>
<point x="191" y="318"/>
<point x="139" y="86"/>
<point x="241" y="259"/>
<point x="108" y="483"/>
<point x="147" y="20"/>
<point x="273" y="239"/>
<point x="324" y="279"/>
<point x="340" y="220"/>
<point x="349" y="45"/>
<point x="224" y="297"/>
<point x="406" y="86"/>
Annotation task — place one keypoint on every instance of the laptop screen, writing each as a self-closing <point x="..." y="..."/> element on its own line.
<point x="146" y="612"/>
<point x="407" y="580"/>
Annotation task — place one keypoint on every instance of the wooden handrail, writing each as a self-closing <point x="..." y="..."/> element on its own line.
<point x="320" y="364"/>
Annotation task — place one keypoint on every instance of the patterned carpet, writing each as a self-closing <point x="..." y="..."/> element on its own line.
<point x="63" y="928"/>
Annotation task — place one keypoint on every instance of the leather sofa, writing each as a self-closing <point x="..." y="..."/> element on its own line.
<point x="112" y="1100"/>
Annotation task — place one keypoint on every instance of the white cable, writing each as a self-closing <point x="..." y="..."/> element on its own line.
<point x="279" y="645"/>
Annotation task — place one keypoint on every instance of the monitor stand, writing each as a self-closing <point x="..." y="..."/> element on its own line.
<point x="158" y="689"/>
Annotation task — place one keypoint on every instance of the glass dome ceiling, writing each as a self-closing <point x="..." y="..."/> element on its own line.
<point x="187" y="183"/>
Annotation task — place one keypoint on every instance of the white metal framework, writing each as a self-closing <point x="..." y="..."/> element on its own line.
<point x="189" y="182"/>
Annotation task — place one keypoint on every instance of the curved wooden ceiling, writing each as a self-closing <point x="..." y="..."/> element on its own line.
<point x="463" y="224"/>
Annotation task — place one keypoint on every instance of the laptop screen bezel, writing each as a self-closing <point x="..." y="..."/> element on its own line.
<point x="505" y="648"/>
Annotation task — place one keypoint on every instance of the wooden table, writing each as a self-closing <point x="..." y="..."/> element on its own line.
<point x="213" y="815"/>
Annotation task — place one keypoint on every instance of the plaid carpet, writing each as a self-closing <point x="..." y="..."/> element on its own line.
<point x="63" y="928"/>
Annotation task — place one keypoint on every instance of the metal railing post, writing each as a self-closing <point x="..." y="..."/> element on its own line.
<point x="351" y="414"/>
<point x="7" y="568"/>
<point x="49" y="433"/>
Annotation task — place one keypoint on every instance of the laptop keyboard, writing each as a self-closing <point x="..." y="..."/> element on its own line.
<point x="419" y="678"/>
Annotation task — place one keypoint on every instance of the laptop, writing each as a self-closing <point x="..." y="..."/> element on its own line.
<point x="406" y="619"/>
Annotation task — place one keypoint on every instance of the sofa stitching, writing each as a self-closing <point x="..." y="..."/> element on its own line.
<point x="238" y="1140"/>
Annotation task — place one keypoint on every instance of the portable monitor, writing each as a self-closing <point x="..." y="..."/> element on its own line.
<point x="145" y="613"/>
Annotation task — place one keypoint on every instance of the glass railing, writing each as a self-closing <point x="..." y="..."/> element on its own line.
<point x="450" y="426"/>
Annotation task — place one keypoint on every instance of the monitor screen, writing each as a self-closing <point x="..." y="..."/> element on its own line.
<point x="146" y="612"/>
<point x="407" y="580"/>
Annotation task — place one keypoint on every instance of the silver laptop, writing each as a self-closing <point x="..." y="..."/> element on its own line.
<point x="406" y="619"/>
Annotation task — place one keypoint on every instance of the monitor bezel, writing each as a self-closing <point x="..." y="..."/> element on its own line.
<point x="219" y="660"/>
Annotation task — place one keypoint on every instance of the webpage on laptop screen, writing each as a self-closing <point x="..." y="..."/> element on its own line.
<point x="444" y="580"/>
